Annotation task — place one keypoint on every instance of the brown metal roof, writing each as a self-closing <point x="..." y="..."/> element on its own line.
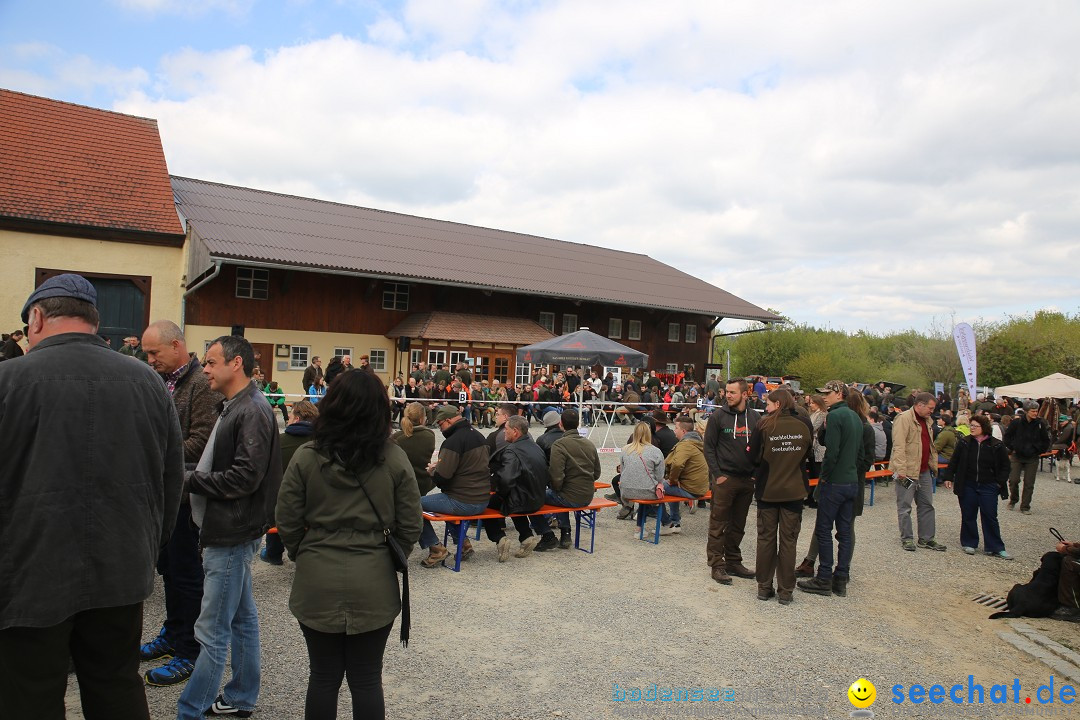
<point x="66" y="164"/>
<point x="243" y="224"/>
<point x="473" y="328"/>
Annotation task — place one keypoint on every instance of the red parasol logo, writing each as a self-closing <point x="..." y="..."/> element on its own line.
<point x="528" y="357"/>
<point x="620" y="360"/>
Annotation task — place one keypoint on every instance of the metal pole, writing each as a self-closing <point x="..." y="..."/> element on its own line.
<point x="727" y="363"/>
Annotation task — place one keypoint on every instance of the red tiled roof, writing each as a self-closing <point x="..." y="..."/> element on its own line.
<point x="473" y="328"/>
<point x="76" y="165"/>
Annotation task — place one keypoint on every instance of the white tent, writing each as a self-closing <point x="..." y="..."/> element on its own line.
<point x="1055" y="386"/>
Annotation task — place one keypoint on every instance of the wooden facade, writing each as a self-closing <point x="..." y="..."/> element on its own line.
<point x="324" y="302"/>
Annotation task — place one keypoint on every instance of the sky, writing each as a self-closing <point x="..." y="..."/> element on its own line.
<point x="854" y="165"/>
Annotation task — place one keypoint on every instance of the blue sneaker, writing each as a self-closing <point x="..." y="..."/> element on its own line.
<point x="157" y="649"/>
<point x="173" y="672"/>
<point x="269" y="558"/>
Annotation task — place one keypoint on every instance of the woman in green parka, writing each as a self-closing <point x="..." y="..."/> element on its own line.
<point x="418" y="442"/>
<point x="345" y="591"/>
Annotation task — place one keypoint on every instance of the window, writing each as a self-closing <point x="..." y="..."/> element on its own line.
<point x="614" y="328"/>
<point x="522" y="376"/>
<point x="436" y="357"/>
<point x="415" y="356"/>
<point x="547" y="321"/>
<point x="377" y="360"/>
<point x="457" y="356"/>
<point x="298" y="359"/>
<point x="569" y="323"/>
<point x="252" y="283"/>
<point x="691" y="333"/>
<point x="395" y="296"/>
<point x="673" y="332"/>
<point x="672" y="368"/>
<point x="502" y="369"/>
<point x="342" y="352"/>
<point x="635" y="330"/>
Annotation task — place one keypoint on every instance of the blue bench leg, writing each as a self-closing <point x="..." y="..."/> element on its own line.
<point x="463" y="531"/>
<point x="873" y="482"/>
<point x="589" y="518"/>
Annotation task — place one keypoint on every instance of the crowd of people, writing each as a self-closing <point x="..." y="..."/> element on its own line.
<point x="186" y="472"/>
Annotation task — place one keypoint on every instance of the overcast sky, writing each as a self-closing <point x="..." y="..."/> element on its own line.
<point x="859" y="165"/>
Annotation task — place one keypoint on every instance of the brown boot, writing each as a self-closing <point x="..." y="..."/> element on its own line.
<point x="805" y="570"/>
<point x="740" y="570"/>
<point x="720" y="575"/>
<point x="466" y="550"/>
<point x="436" y="554"/>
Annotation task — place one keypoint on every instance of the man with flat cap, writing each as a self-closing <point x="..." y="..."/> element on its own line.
<point x="90" y="483"/>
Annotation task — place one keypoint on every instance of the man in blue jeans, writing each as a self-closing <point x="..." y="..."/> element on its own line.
<point x="461" y="472"/>
<point x="233" y="492"/>
<point x="837" y="488"/>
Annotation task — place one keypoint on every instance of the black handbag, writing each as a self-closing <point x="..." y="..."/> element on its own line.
<point x="401" y="565"/>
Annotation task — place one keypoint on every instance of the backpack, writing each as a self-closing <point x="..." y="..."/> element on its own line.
<point x="881" y="443"/>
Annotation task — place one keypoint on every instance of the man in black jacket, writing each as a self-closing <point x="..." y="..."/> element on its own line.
<point x="519" y="474"/>
<point x="90" y="478"/>
<point x="727" y="451"/>
<point x="179" y="563"/>
<point x="1027" y="437"/>
<point x="233" y="493"/>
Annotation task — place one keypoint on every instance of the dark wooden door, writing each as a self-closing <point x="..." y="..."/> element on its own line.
<point x="122" y="307"/>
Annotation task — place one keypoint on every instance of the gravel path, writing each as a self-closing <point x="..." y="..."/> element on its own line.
<point x="552" y="634"/>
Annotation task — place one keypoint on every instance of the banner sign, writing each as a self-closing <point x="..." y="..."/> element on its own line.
<point x="965" y="346"/>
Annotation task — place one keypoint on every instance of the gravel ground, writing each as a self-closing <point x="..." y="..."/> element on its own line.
<point x="552" y="634"/>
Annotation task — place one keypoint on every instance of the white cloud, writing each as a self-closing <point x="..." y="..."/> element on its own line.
<point x="189" y="8"/>
<point x="857" y="164"/>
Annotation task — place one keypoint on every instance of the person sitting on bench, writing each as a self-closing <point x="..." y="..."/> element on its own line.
<point x="519" y="474"/>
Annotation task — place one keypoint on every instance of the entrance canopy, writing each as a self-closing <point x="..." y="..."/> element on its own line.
<point x="1056" y="385"/>
<point x="584" y="348"/>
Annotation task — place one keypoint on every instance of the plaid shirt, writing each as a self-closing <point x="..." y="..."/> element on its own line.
<point x="172" y="378"/>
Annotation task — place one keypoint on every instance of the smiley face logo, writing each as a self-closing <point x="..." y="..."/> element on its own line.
<point x="862" y="693"/>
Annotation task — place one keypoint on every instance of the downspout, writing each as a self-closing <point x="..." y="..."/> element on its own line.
<point x="193" y="288"/>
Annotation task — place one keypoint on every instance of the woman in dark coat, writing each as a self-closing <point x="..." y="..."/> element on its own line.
<point x="333" y="496"/>
<point x="978" y="473"/>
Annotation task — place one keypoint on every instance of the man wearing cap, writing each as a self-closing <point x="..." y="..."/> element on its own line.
<point x="180" y="562"/>
<point x="131" y="348"/>
<point x="90" y="479"/>
<point x="573" y="470"/>
<point x="1026" y="438"/>
<point x="552" y="432"/>
<point x="837" y="487"/>
<point x="461" y="472"/>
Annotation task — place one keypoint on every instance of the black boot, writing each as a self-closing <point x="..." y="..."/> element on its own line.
<point x="547" y="542"/>
<point x="566" y="540"/>
<point x="839" y="586"/>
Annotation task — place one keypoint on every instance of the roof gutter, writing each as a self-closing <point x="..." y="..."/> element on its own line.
<point x="183" y="299"/>
<point x="492" y="288"/>
<point x="205" y="280"/>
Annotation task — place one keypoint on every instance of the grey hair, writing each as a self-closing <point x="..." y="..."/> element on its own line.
<point x="518" y="423"/>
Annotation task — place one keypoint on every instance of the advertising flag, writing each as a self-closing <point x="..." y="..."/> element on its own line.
<point x="965" y="346"/>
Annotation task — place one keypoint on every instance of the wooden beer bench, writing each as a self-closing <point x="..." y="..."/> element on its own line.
<point x="585" y="514"/>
